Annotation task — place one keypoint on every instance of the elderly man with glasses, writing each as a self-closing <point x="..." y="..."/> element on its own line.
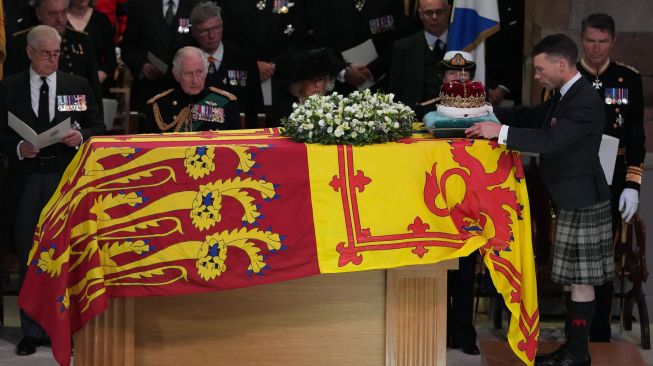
<point x="41" y="97"/>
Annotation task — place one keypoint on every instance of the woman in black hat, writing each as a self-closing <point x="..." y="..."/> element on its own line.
<point x="303" y="74"/>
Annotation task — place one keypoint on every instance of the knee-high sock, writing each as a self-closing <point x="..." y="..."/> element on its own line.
<point x="580" y="317"/>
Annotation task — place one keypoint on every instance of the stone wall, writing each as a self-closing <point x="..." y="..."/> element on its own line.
<point x="634" y="35"/>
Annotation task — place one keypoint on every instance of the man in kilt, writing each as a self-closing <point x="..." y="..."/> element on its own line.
<point x="566" y="131"/>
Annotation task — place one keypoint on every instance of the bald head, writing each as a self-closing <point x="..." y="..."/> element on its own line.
<point x="434" y="15"/>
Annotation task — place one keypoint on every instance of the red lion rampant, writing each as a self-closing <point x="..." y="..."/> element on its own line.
<point x="486" y="200"/>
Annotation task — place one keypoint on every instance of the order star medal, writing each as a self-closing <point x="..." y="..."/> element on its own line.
<point x="260" y="5"/>
<point x="597" y="84"/>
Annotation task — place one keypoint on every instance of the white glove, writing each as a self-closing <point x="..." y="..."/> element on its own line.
<point x="628" y="203"/>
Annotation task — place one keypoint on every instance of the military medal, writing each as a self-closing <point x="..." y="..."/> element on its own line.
<point x="282" y="6"/>
<point x="359" y="4"/>
<point x="71" y="103"/>
<point x="597" y="84"/>
<point x="620" y="121"/>
<point x="289" y="30"/>
<point x="260" y="5"/>
<point x="184" y="25"/>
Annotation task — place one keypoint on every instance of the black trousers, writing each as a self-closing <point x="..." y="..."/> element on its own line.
<point x="460" y="314"/>
<point x="38" y="189"/>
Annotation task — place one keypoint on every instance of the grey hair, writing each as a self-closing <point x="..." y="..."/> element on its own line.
<point x="187" y="52"/>
<point x="41" y="33"/>
<point x="204" y="11"/>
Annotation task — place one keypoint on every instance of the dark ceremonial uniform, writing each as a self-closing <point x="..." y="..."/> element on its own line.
<point x="77" y="57"/>
<point x="266" y="28"/>
<point x="19" y="15"/>
<point x="175" y="111"/>
<point x="343" y="24"/>
<point x="620" y="88"/>
<point x="147" y="32"/>
<point x="237" y="73"/>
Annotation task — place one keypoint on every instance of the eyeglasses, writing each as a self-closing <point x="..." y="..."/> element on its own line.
<point x="433" y="13"/>
<point x="204" y="32"/>
<point x="47" y="55"/>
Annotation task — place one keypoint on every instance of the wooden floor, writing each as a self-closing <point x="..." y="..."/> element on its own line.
<point x="497" y="353"/>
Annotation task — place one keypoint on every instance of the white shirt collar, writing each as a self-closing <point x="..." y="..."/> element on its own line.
<point x="565" y="88"/>
<point x="430" y="38"/>
<point x="33" y="76"/>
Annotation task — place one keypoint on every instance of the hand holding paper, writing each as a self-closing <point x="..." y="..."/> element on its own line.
<point x="47" y="138"/>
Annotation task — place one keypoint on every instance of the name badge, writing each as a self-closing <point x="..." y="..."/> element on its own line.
<point x="382" y="24"/>
<point x="71" y="103"/>
<point x="200" y="112"/>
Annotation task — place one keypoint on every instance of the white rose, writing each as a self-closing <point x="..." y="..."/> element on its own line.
<point x="396" y="125"/>
<point x="321" y="123"/>
<point x="339" y="132"/>
<point x="330" y="129"/>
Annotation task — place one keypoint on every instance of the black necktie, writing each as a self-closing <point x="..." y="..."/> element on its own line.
<point x="170" y="13"/>
<point x="44" y="106"/>
<point x="548" y="120"/>
<point x="437" y="50"/>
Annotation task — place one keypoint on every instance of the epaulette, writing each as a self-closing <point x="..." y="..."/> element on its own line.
<point x="69" y="28"/>
<point x="154" y="98"/>
<point x="628" y="67"/>
<point x="225" y="93"/>
<point x="430" y="101"/>
<point x="18" y="33"/>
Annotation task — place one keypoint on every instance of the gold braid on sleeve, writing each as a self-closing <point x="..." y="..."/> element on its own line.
<point x="634" y="174"/>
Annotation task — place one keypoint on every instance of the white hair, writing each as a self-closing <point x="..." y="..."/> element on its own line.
<point x="184" y="52"/>
<point x="41" y="33"/>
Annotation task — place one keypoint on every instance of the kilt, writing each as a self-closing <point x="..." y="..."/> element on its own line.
<point x="582" y="253"/>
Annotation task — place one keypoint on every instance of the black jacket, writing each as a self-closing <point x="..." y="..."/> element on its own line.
<point x="567" y="136"/>
<point x="15" y="98"/>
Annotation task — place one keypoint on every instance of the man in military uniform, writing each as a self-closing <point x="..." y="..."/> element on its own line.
<point x="157" y="28"/>
<point x="343" y="24"/>
<point x="230" y="68"/>
<point x="77" y="56"/>
<point x="266" y="28"/>
<point x="620" y="87"/>
<point x="191" y="106"/>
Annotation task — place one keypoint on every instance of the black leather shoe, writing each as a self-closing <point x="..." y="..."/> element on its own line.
<point x="545" y="357"/>
<point x="563" y="358"/>
<point x="26" y="346"/>
<point x="471" y="349"/>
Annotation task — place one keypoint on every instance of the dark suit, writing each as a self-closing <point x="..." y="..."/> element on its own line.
<point x="414" y="76"/>
<point x="77" y="57"/>
<point x="147" y="32"/>
<point x="35" y="179"/>
<point x="567" y="134"/>
<point x="238" y="74"/>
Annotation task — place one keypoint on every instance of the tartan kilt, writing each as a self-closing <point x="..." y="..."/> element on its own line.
<point x="582" y="253"/>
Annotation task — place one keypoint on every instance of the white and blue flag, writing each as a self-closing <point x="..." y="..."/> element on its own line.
<point x="472" y="21"/>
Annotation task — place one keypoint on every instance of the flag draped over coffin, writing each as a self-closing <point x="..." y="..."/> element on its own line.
<point x="184" y="213"/>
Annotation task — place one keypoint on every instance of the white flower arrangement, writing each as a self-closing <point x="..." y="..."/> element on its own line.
<point x="361" y="118"/>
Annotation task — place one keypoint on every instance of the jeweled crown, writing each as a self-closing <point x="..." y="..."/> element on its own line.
<point x="462" y="94"/>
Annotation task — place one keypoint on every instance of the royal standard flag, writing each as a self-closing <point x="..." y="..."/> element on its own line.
<point x="184" y="213"/>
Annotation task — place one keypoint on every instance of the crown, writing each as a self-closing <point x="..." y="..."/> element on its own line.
<point x="462" y="94"/>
